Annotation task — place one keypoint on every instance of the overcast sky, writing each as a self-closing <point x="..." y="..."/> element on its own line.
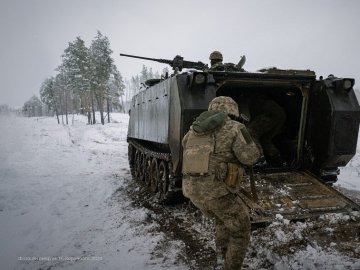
<point x="322" y="35"/>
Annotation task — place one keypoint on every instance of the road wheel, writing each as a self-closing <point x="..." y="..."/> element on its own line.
<point x="142" y="167"/>
<point x="154" y="175"/>
<point x="147" y="165"/>
<point x="137" y="165"/>
<point x="131" y="157"/>
<point x="163" y="180"/>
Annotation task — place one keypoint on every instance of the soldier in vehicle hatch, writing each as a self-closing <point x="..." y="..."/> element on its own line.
<point x="216" y="59"/>
<point x="214" y="150"/>
<point x="267" y="120"/>
<point x="216" y="62"/>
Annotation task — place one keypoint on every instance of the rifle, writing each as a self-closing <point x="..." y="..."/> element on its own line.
<point x="177" y="63"/>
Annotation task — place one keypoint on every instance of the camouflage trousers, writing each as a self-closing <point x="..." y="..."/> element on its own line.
<point x="263" y="129"/>
<point x="232" y="227"/>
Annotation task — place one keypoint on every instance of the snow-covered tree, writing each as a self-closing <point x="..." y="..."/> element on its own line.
<point x="144" y="74"/>
<point x="115" y="91"/>
<point x="101" y="68"/>
<point x="48" y="97"/>
<point x="135" y="85"/>
<point x="33" y="107"/>
<point x="76" y="60"/>
<point x="85" y="75"/>
<point x="64" y="89"/>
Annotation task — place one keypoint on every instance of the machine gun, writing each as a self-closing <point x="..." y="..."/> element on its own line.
<point x="177" y="64"/>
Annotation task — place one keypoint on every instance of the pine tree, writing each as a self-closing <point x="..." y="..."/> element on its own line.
<point x="144" y="74"/>
<point x="100" y="68"/>
<point x="115" y="91"/>
<point x="33" y="107"/>
<point x="48" y="97"/>
<point x="85" y="75"/>
<point x="76" y="60"/>
<point x="62" y="81"/>
<point x="135" y="85"/>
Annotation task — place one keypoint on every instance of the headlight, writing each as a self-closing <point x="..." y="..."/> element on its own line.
<point x="347" y="84"/>
<point x="200" y="78"/>
<point x="343" y="85"/>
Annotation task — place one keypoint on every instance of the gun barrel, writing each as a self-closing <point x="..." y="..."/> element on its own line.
<point x="178" y="62"/>
<point x="164" y="61"/>
<point x="139" y="57"/>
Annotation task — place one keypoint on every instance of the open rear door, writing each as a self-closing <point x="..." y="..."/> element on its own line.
<point x="333" y="123"/>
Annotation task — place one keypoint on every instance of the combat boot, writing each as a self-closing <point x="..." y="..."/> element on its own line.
<point x="261" y="163"/>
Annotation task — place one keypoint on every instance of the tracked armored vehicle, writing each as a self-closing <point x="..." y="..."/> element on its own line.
<point x="320" y="135"/>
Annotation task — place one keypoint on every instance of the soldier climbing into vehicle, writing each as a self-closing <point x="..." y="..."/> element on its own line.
<point x="266" y="121"/>
<point x="213" y="147"/>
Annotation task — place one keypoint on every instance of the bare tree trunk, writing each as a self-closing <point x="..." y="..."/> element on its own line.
<point x="108" y="109"/>
<point x="61" y="108"/>
<point x="66" y="107"/>
<point x="100" y="101"/>
<point x="102" y="116"/>
<point x="57" y="115"/>
<point x="87" y="105"/>
<point x="92" y="105"/>
<point x="101" y="109"/>
<point x="74" y="108"/>
<point x="89" y="117"/>
<point x="82" y="105"/>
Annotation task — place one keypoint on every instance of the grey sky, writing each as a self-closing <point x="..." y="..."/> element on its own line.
<point x="322" y="35"/>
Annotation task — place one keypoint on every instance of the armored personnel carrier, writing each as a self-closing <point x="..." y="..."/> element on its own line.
<point x="319" y="136"/>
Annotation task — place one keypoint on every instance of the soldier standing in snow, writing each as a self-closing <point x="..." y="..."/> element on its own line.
<point x="213" y="145"/>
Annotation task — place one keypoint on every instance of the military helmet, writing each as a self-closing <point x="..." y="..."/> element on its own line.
<point x="225" y="104"/>
<point x="216" y="55"/>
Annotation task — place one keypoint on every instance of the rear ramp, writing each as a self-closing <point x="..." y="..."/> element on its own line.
<point x="295" y="195"/>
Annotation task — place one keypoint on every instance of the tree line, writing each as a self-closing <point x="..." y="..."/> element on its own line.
<point x="6" y="109"/>
<point x="86" y="81"/>
<point x="136" y="83"/>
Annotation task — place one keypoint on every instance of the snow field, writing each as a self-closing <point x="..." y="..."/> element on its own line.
<point x="63" y="205"/>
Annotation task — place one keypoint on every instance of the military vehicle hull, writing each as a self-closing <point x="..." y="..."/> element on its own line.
<point x="320" y="135"/>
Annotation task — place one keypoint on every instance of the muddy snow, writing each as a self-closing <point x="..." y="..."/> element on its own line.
<point x="67" y="201"/>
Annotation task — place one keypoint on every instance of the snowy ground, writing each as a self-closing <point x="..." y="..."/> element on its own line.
<point x="67" y="202"/>
<point x="58" y="199"/>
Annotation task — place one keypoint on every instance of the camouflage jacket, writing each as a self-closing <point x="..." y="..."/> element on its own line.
<point x="232" y="144"/>
<point x="225" y="67"/>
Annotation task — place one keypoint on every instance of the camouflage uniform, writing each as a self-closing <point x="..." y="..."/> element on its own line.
<point x="267" y="121"/>
<point x="211" y="195"/>
<point x="216" y="59"/>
